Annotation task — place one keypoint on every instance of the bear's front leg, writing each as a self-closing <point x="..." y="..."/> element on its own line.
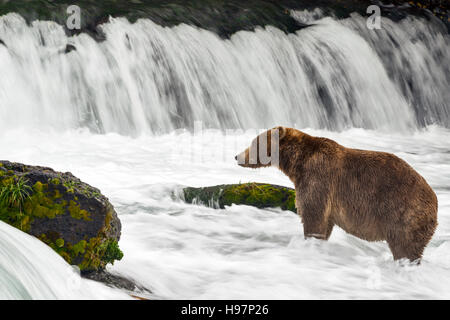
<point x="317" y="228"/>
<point x="316" y="216"/>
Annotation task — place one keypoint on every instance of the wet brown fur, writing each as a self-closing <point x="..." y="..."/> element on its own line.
<point x="372" y="195"/>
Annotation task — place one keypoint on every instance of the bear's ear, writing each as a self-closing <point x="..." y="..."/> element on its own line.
<point x="281" y="131"/>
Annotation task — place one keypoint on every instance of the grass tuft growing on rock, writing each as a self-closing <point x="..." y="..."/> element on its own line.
<point x="13" y="194"/>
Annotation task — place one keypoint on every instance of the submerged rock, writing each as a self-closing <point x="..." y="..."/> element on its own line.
<point x="70" y="216"/>
<point x="260" y="195"/>
<point x="69" y="48"/>
<point x="115" y="281"/>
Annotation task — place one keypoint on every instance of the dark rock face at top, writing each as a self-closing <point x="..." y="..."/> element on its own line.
<point x="220" y="16"/>
<point x="70" y="216"/>
<point x="224" y="17"/>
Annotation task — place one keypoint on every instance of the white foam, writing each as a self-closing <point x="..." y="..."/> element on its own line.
<point x="29" y="269"/>
<point x="186" y="251"/>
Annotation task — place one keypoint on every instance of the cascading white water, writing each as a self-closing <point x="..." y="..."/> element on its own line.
<point x="29" y="269"/>
<point x="146" y="78"/>
<point x="414" y="53"/>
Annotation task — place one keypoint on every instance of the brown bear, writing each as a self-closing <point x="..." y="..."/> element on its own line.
<point x="372" y="195"/>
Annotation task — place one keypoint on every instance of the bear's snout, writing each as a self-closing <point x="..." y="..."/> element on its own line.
<point x="241" y="159"/>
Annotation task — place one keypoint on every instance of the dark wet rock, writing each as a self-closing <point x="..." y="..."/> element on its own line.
<point x="70" y="216"/>
<point x="220" y="16"/>
<point x="224" y="17"/>
<point x="69" y="48"/>
<point x="114" y="280"/>
<point x="260" y="195"/>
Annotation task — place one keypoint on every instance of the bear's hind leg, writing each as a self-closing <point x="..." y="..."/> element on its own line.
<point x="412" y="241"/>
<point x="401" y="250"/>
<point x="409" y="245"/>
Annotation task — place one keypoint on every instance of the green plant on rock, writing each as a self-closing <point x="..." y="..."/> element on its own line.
<point x="98" y="253"/>
<point x="112" y="252"/>
<point x="14" y="194"/>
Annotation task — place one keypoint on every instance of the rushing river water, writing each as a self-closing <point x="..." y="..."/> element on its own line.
<point x="186" y="251"/>
<point x="148" y="79"/>
<point x="113" y="114"/>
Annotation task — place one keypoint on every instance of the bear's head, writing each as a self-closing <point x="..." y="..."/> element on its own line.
<point x="264" y="150"/>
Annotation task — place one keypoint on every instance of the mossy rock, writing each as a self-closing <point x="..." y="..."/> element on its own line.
<point x="70" y="216"/>
<point x="260" y="195"/>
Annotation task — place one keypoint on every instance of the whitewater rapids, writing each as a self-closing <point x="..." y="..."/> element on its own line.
<point x="182" y="251"/>
<point x="29" y="269"/>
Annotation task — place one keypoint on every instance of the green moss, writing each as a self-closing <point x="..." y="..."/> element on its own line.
<point x="59" y="242"/>
<point x="253" y="194"/>
<point x="91" y="193"/>
<point x="38" y="187"/>
<point x="79" y="248"/>
<point x="73" y="185"/>
<point x="290" y="202"/>
<point x="77" y="213"/>
<point x="57" y="245"/>
<point x="260" y="196"/>
<point x="44" y="203"/>
<point x="96" y="253"/>
<point x="89" y="254"/>
<point x="99" y="251"/>
<point x="55" y="181"/>
<point x="91" y="258"/>
<point x="70" y="186"/>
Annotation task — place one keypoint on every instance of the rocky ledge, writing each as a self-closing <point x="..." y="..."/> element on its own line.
<point x="70" y="216"/>
<point x="224" y="17"/>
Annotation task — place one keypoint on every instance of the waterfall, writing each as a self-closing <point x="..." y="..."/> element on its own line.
<point x="145" y="78"/>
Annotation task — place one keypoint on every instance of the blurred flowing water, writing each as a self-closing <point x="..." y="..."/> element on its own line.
<point x="29" y="269"/>
<point x="148" y="79"/>
<point x="119" y="114"/>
